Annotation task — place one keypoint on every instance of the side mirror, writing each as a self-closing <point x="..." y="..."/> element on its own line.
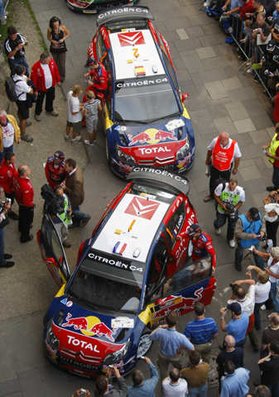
<point x="184" y="96"/>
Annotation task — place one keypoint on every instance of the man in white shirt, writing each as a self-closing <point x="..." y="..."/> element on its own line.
<point x="223" y="157"/>
<point x="229" y="198"/>
<point x="21" y="91"/>
<point x="74" y="114"/>
<point x="174" y="386"/>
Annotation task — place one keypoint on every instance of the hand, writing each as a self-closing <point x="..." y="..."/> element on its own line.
<point x="248" y="274"/>
<point x="262" y="234"/>
<point x="223" y="311"/>
<point x="116" y="371"/>
<point x="59" y="84"/>
<point x="147" y="360"/>
<point x="250" y="268"/>
<point x="234" y="171"/>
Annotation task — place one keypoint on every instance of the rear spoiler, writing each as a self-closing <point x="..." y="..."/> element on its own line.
<point x="160" y="178"/>
<point x="124" y="13"/>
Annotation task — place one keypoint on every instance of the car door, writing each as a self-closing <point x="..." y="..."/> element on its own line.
<point x="49" y="238"/>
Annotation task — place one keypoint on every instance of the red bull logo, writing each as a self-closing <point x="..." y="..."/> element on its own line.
<point x="152" y="136"/>
<point x="89" y="326"/>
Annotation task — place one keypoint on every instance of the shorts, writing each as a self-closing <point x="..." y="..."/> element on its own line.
<point x="91" y="125"/>
<point x="77" y="125"/>
<point x="23" y="109"/>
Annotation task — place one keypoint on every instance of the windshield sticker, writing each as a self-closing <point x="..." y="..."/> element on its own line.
<point x="161" y="172"/>
<point x="131" y="38"/>
<point x="122" y="322"/>
<point x="142" y="82"/>
<point x="123" y="11"/>
<point x="173" y="124"/>
<point x="142" y="208"/>
<point x="115" y="263"/>
<point x="151" y="136"/>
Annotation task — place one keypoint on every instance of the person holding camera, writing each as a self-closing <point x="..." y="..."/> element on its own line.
<point x="5" y="206"/>
<point x="103" y="387"/>
<point x="229" y="198"/>
<point x="144" y="387"/>
<point x="238" y="324"/>
<point x="14" y="48"/>
<point x="249" y="231"/>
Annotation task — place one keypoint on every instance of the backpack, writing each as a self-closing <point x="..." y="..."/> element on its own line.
<point x="10" y="89"/>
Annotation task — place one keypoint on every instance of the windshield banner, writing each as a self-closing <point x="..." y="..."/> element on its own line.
<point x="141" y="82"/>
<point x="115" y="262"/>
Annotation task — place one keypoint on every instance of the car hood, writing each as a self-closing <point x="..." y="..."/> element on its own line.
<point x="171" y="130"/>
<point x="79" y="329"/>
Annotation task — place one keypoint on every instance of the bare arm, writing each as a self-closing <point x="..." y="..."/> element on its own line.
<point x="208" y="157"/>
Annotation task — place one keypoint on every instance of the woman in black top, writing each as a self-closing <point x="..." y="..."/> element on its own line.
<point x="57" y="33"/>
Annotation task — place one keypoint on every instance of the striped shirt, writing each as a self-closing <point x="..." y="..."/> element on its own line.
<point x="201" y="331"/>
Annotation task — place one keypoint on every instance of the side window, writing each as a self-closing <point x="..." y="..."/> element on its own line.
<point x="101" y="49"/>
<point x="174" y="225"/>
<point x="170" y="69"/>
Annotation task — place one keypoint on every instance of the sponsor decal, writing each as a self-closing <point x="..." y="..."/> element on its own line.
<point x="142" y="82"/>
<point x="142" y="208"/>
<point x="130" y="38"/>
<point x="154" y="150"/>
<point x="173" y="124"/>
<point x="89" y="326"/>
<point x="161" y="172"/>
<point x="69" y="304"/>
<point x="115" y="262"/>
<point x="122" y="322"/>
<point x="83" y="344"/>
<point x="151" y="136"/>
<point x="122" y="11"/>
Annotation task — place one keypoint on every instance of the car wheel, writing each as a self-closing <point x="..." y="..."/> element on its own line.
<point x="144" y="345"/>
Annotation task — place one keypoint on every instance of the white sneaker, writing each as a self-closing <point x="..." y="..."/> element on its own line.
<point x="232" y="243"/>
<point x="76" y="139"/>
<point x="218" y="231"/>
<point x="87" y="142"/>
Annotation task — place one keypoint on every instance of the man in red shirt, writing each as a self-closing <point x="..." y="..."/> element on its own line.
<point x="24" y="193"/>
<point x="45" y="76"/>
<point x="98" y="78"/>
<point x="55" y="169"/>
<point x="202" y="245"/>
<point x="8" y="173"/>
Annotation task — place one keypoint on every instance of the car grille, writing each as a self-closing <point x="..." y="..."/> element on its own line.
<point x="158" y="161"/>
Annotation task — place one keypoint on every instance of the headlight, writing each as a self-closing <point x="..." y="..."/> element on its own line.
<point x="51" y="339"/>
<point x="125" y="157"/>
<point x="183" y="151"/>
<point x="115" y="357"/>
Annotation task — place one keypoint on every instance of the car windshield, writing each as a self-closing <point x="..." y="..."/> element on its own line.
<point x="144" y="103"/>
<point x="100" y="292"/>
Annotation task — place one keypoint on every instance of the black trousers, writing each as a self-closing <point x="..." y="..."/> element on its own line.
<point x="275" y="177"/>
<point x="271" y="231"/>
<point x="221" y="220"/>
<point x="50" y="96"/>
<point x="26" y="215"/>
<point x="214" y="176"/>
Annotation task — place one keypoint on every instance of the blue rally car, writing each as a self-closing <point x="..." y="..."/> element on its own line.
<point x="146" y="121"/>
<point x="130" y="274"/>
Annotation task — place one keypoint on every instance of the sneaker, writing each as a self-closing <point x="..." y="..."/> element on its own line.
<point x="8" y="256"/>
<point x="76" y="139"/>
<point x="53" y="113"/>
<point x="27" y="138"/>
<point x="7" y="264"/>
<point x="218" y="231"/>
<point x="66" y="244"/>
<point x="207" y="198"/>
<point x="67" y="138"/>
<point x="37" y="117"/>
<point x="25" y="240"/>
<point x="28" y="123"/>
<point x="87" y="142"/>
<point x="232" y="243"/>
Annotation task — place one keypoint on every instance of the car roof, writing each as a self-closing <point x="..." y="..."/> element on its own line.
<point x="135" y="54"/>
<point x="132" y="226"/>
<point x="123" y="13"/>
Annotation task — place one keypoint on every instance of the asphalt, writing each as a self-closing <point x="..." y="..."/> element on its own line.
<point x="222" y="97"/>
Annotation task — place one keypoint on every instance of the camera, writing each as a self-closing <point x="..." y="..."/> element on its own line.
<point x="231" y="210"/>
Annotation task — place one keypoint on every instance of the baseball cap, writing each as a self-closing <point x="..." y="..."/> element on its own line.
<point x="274" y="251"/>
<point x="254" y="213"/>
<point x="59" y="155"/>
<point x="195" y="228"/>
<point x="235" y="308"/>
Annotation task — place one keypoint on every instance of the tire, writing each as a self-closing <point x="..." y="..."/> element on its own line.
<point x="144" y="345"/>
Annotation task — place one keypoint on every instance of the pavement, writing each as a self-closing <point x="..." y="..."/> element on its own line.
<point x="222" y="97"/>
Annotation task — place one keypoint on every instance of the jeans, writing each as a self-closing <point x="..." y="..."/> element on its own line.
<point x="198" y="391"/>
<point x="79" y="216"/>
<point x="221" y="220"/>
<point x="274" y="296"/>
<point x="18" y="61"/>
<point x="239" y="257"/>
<point x="2" y="260"/>
<point x="164" y="362"/>
<point x="50" y="96"/>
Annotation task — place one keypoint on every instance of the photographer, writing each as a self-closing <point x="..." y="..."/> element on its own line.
<point x="249" y="231"/>
<point x="229" y="198"/>
<point x="14" y="48"/>
<point x="5" y="206"/>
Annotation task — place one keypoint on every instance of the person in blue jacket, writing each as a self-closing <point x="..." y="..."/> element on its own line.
<point x="249" y="231"/>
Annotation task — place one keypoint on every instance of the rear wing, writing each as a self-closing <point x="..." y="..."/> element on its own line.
<point x="162" y="179"/>
<point x="123" y="13"/>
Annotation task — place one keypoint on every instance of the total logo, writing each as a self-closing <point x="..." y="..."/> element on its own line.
<point x="89" y="326"/>
<point x="152" y="136"/>
<point x="81" y="343"/>
<point x="154" y="150"/>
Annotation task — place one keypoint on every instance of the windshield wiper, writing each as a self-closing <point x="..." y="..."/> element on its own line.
<point x="164" y="117"/>
<point x="131" y="121"/>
